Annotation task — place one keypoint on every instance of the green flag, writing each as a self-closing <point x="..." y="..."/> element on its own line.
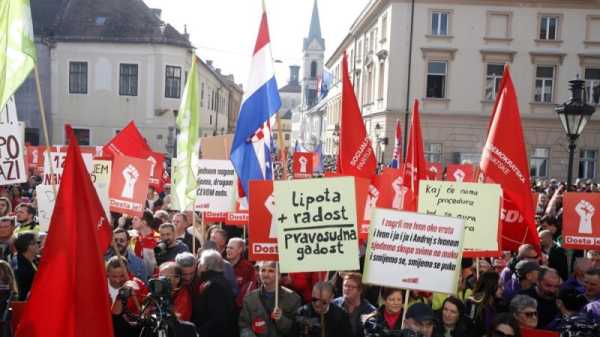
<point x="188" y="145"/>
<point x="17" y="48"/>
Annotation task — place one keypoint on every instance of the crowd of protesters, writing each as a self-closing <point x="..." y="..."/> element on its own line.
<point x="218" y="292"/>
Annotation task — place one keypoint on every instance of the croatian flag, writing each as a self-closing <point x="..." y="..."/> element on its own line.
<point x="251" y="149"/>
<point x="397" y="156"/>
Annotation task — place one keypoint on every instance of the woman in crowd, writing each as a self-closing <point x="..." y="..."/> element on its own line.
<point x="451" y="320"/>
<point x="524" y="309"/>
<point x="8" y="287"/>
<point x="504" y="325"/>
<point x="5" y="206"/>
<point x="387" y="320"/>
<point x="486" y="301"/>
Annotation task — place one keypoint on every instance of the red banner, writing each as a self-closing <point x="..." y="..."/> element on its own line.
<point x="262" y="232"/>
<point x="210" y="217"/>
<point x="460" y="173"/>
<point x="581" y="220"/>
<point x="303" y="164"/>
<point x="239" y="219"/>
<point x="129" y="185"/>
<point x="435" y="171"/>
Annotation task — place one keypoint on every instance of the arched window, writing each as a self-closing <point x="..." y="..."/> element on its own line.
<point x="313" y="69"/>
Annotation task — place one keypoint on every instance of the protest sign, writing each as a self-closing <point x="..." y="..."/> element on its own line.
<point x="414" y="251"/>
<point x="460" y="173"/>
<point x="316" y="222"/>
<point x="12" y="154"/>
<point x="262" y="231"/>
<point x="129" y="185"/>
<point x="53" y="169"/>
<point x="303" y="164"/>
<point x="216" y="186"/>
<point x="210" y="217"/>
<point x="392" y="189"/>
<point x="478" y="205"/>
<point x="581" y="220"/>
<point x="435" y="171"/>
<point x="216" y="147"/>
<point x="100" y="176"/>
<point x="366" y="197"/>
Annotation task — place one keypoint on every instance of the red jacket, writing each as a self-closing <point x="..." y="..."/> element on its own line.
<point x="245" y="276"/>
<point x="182" y="302"/>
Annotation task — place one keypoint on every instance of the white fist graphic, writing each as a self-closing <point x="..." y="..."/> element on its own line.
<point x="399" y="193"/>
<point x="459" y="175"/>
<point x="303" y="161"/>
<point x="371" y="201"/>
<point x="270" y="205"/>
<point x="586" y="211"/>
<point x="131" y="175"/>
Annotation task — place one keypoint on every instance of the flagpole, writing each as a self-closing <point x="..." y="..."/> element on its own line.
<point x="276" y="285"/>
<point x="44" y="127"/>
<point x="195" y="232"/>
<point x="404" y="308"/>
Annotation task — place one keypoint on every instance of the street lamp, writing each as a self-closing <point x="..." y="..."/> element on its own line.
<point x="382" y="141"/>
<point x="574" y="114"/>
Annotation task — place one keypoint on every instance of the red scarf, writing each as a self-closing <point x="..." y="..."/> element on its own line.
<point x="390" y="318"/>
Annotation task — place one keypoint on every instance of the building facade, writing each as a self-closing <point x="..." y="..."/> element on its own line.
<point x="454" y="68"/>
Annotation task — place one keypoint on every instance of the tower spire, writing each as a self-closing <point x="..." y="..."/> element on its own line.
<point x="315" y="24"/>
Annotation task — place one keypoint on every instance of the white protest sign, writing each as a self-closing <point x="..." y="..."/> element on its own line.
<point x="45" y="203"/>
<point x="54" y="167"/>
<point x="413" y="251"/>
<point x="12" y="154"/>
<point x="316" y="224"/>
<point x="216" y="186"/>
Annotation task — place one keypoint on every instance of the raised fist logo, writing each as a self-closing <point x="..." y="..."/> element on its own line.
<point x="303" y="162"/>
<point x="586" y="211"/>
<point x="459" y="175"/>
<point x="270" y="205"/>
<point x="131" y="175"/>
<point x="152" y="165"/>
<point x="399" y="193"/>
<point x="371" y="201"/>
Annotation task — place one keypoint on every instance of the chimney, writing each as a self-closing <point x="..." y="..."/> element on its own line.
<point x="218" y="70"/>
<point x="156" y="11"/>
<point x="185" y="33"/>
<point x="209" y="63"/>
<point x="230" y="77"/>
<point x="294" y="71"/>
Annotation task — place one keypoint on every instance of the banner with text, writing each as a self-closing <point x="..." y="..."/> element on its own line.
<point x="316" y="220"/>
<point x="414" y="251"/>
<point x="478" y="205"/>
<point x="581" y="220"/>
<point x="12" y="154"/>
<point x="262" y="229"/>
<point x="53" y="169"/>
<point x="216" y="186"/>
<point x="129" y="185"/>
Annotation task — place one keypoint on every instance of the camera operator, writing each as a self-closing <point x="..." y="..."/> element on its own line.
<point x="134" y="264"/>
<point x="168" y="247"/>
<point x="321" y="314"/>
<point x="213" y="303"/>
<point x="126" y="294"/>
<point x="180" y="295"/>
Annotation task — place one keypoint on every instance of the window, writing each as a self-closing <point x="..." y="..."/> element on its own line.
<point x="368" y="89"/>
<point x="313" y="69"/>
<point x="381" y="80"/>
<point x="436" y="79"/>
<point x="32" y="136"/>
<point x="439" y="23"/>
<point x="202" y="94"/>
<point x="373" y="37"/>
<point x="538" y="163"/>
<point x="544" y="82"/>
<point x="592" y="85"/>
<point x="592" y="29"/>
<point x="274" y="135"/>
<point x="548" y="27"/>
<point x="587" y="164"/>
<point x="498" y="25"/>
<point x="172" y="82"/>
<point x="359" y="51"/>
<point x="492" y="80"/>
<point x="83" y="136"/>
<point x="433" y="152"/>
<point x="286" y="136"/>
<point x="383" y="28"/>
<point x="78" y="77"/>
<point x="210" y="120"/>
<point x="128" y="80"/>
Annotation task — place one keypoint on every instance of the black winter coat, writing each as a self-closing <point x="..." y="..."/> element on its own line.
<point x="213" y="307"/>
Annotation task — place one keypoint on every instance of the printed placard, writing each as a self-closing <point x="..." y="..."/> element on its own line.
<point x="216" y="186"/>
<point x="129" y="185"/>
<point x="316" y="222"/>
<point x="581" y="220"/>
<point x="435" y="171"/>
<point x="413" y="251"/>
<point x="12" y="158"/>
<point x="303" y="164"/>
<point x="262" y="230"/>
<point x="45" y="202"/>
<point x="460" y="173"/>
<point x="478" y="205"/>
<point x="53" y="169"/>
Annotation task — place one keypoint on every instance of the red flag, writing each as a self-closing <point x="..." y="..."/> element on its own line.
<point x="397" y="156"/>
<point x="355" y="155"/>
<point x="504" y="162"/>
<point x="130" y="142"/>
<point x="69" y="296"/>
<point x="415" y="168"/>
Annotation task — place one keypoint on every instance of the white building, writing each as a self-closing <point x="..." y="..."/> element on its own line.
<point x="453" y="64"/>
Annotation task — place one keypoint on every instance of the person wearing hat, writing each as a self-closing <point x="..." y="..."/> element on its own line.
<point x="420" y="319"/>
<point x="527" y="273"/>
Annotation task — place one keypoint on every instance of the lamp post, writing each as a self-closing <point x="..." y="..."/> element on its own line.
<point x="574" y="114"/>
<point x="336" y="143"/>
<point x="381" y="141"/>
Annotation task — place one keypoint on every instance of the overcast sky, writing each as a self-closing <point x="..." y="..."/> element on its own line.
<point x="225" y="30"/>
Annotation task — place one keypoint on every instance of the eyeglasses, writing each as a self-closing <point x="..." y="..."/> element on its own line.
<point x="498" y="333"/>
<point x="529" y="314"/>
<point x="120" y="240"/>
